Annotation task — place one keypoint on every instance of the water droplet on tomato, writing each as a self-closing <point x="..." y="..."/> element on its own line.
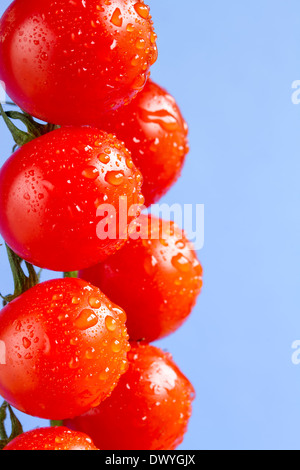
<point x="130" y="28"/>
<point x="116" y="346"/>
<point x="104" y="374"/>
<point x="74" y="363"/>
<point x="91" y="173"/>
<point x="104" y="158"/>
<point x="89" y="353"/>
<point x="95" y="302"/>
<point x="116" y="18"/>
<point x="181" y="263"/>
<point x="86" y="319"/>
<point x="180" y="244"/>
<point x="26" y="342"/>
<point x="150" y="265"/>
<point x="161" y="117"/>
<point x="110" y="323"/>
<point x="115" y="178"/>
<point x="142" y="10"/>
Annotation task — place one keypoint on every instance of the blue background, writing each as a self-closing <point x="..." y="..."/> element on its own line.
<point x="231" y="65"/>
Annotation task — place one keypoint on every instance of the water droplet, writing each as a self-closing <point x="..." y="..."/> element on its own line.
<point x="110" y="323"/>
<point x="153" y="37"/>
<point x="124" y="365"/>
<point x="103" y="158"/>
<point x="74" y="341"/>
<point x="181" y="263"/>
<point x="90" y="173"/>
<point x="150" y="265"/>
<point x="130" y="28"/>
<point x="86" y="319"/>
<point x="140" y="43"/>
<point x="115" y="178"/>
<point x="57" y="297"/>
<point x="163" y="242"/>
<point x="116" y="18"/>
<point x="94" y="302"/>
<point x="18" y="325"/>
<point x="142" y="10"/>
<point x="139" y="82"/>
<point x="129" y="163"/>
<point x="89" y="353"/>
<point x="104" y="374"/>
<point x="74" y="363"/>
<point x="135" y="61"/>
<point x="162" y="117"/>
<point x="26" y="342"/>
<point x="116" y="346"/>
<point x="180" y="244"/>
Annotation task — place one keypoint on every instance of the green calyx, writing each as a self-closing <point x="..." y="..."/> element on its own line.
<point x="34" y="129"/>
<point x="22" y="282"/>
<point x="16" y="427"/>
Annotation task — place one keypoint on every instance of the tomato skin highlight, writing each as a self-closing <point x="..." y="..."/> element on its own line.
<point x="55" y="438"/>
<point x="156" y="281"/>
<point x="156" y="133"/>
<point x="64" y="62"/>
<point x="149" y="409"/>
<point x="65" y="348"/>
<point x="51" y="189"/>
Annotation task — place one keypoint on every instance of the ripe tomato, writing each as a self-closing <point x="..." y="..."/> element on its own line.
<point x="155" y="132"/>
<point x="51" y="189"/>
<point x="56" y="438"/>
<point x="65" y="349"/>
<point x="65" y="62"/>
<point x="148" y="410"/>
<point x="155" y="278"/>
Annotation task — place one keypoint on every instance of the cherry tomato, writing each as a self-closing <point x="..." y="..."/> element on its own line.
<point x="65" y="349"/>
<point x="51" y="189"/>
<point x="148" y="410"/>
<point x="56" y="438"/>
<point x="65" y="62"/>
<point x="155" y="278"/>
<point x="155" y="132"/>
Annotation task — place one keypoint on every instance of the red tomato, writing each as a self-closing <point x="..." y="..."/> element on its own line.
<point x="51" y="189"/>
<point x="65" y="349"/>
<point x="65" y="62"/>
<point x="148" y="410"/>
<point x="155" y="278"/>
<point x="155" y="132"/>
<point x="56" y="438"/>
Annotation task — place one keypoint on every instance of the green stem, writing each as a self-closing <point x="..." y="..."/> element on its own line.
<point x="21" y="282"/>
<point x="71" y="274"/>
<point x="54" y="423"/>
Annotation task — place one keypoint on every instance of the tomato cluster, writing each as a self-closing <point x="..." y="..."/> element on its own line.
<point x="78" y="349"/>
